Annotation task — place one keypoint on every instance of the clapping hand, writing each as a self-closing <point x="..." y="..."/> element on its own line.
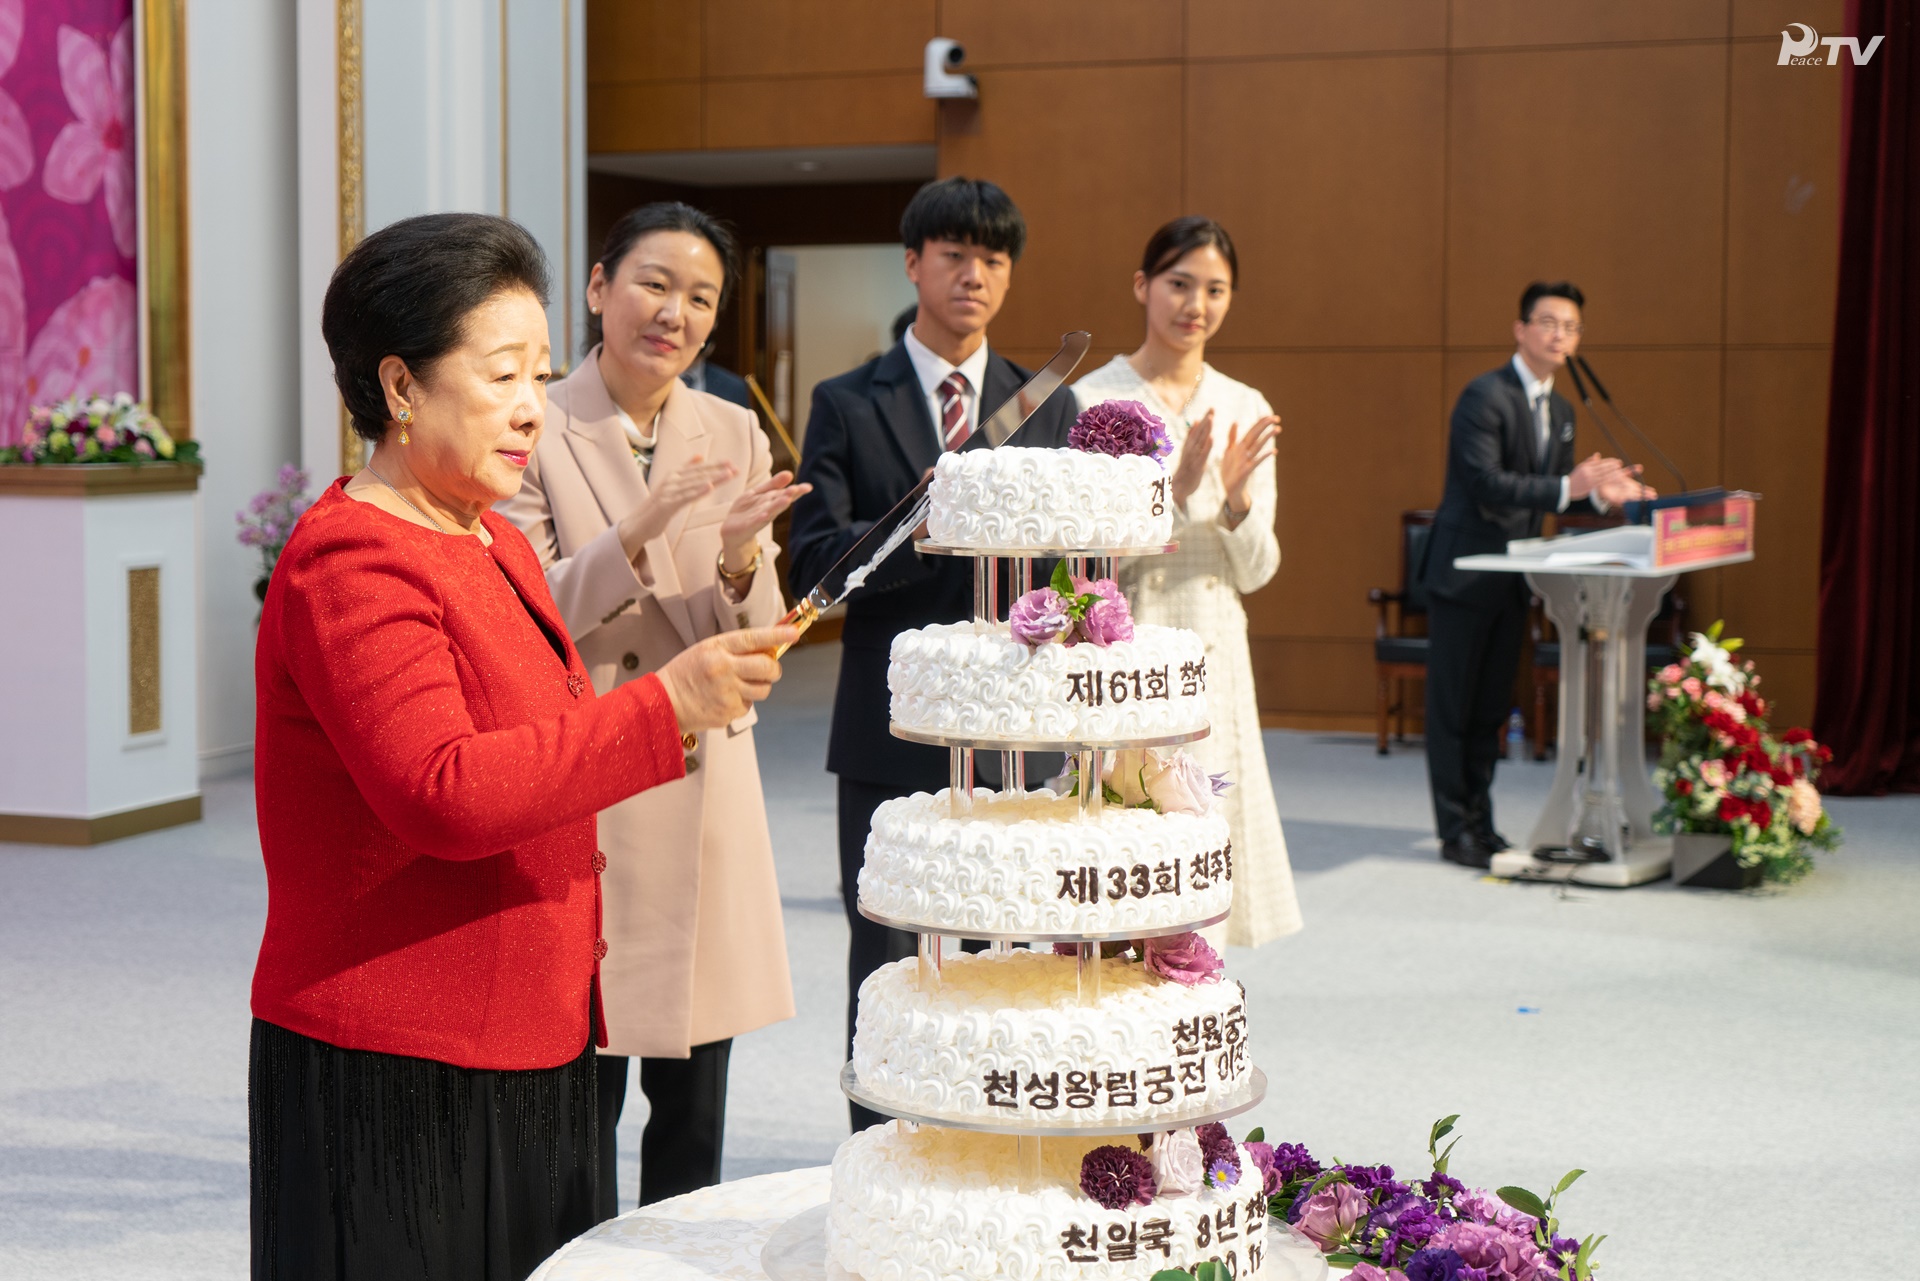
<point x="1243" y="455"/>
<point x="753" y="511"/>
<point x="1609" y="480"/>
<point x="671" y="493"/>
<point x="1195" y="451"/>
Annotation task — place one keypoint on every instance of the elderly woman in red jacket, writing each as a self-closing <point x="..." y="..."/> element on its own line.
<point x="430" y="756"/>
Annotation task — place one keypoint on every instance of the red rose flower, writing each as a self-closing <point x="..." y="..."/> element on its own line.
<point x="1683" y="786"/>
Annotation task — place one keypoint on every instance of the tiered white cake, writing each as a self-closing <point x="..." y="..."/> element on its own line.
<point x="1035" y="1045"/>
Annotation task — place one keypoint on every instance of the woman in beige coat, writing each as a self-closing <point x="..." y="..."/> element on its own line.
<point x="649" y="505"/>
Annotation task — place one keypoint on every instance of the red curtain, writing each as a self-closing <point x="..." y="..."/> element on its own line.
<point x="1868" y="698"/>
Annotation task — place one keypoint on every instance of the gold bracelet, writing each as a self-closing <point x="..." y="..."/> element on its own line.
<point x="721" y="562"/>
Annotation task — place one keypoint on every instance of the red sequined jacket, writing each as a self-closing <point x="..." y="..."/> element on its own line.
<point x="427" y="771"/>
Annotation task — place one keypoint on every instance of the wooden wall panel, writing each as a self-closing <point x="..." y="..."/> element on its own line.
<point x="1783" y="212"/>
<point x="1354" y="424"/>
<point x="1673" y="395"/>
<point x="819" y="37"/>
<point x="1495" y="23"/>
<point x="1787" y="678"/>
<point x="1631" y="208"/>
<point x="1329" y="173"/>
<point x="1016" y="33"/>
<point x="1776" y="446"/>
<point x="1065" y="144"/>
<point x="633" y="41"/>
<point x="817" y="112"/>
<point x="1766" y="19"/>
<point x="643" y="117"/>
<point x="1314" y="677"/>
<point x="1280" y="28"/>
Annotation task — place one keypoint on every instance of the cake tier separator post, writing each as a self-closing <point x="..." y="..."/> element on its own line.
<point x="1248" y="1096"/>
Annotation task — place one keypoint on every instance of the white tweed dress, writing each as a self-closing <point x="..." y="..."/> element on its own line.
<point x="1199" y="587"/>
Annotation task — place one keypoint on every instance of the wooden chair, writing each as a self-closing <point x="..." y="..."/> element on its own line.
<point x="1399" y="653"/>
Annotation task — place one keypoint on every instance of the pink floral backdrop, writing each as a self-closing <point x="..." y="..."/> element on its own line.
<point x="68" y="311"/>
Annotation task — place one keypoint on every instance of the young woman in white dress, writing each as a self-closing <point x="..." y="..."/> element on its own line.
<point x="1223" y="490"/>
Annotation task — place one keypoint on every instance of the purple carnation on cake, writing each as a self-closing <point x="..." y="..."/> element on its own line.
<point x="1108" y="617"/>
<point x="1120" y="428"/>
<point x="1117" y="1177"/>
<point x="1187" y="959"/>
<point x="1040" y="617"/>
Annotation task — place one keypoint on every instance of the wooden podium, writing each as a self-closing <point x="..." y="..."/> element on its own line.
<point x="1602" y="589"/>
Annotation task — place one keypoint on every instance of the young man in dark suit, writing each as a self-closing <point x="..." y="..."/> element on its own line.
<point x="1509" y="462"/>
<point x="871" y="435"/>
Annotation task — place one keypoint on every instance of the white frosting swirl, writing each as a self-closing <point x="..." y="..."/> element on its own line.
<point x="975" y="680"/>
<point x="923" y="1204"/>
<point x="1006" y="1038"/>
<point x="1014" y="863"/>
<point x="1014" y="497"/>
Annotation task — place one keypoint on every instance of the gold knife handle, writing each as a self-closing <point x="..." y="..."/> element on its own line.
<point x="801" y="616"/>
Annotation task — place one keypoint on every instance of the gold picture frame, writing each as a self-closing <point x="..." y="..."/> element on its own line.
<point x="166" y="358"/>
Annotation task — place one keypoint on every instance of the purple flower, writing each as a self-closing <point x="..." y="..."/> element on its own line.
<point x="1039" y="618"/>
<point x="1223" y="1174"/>
<point x="1330" y="1215"/>
<point x="1440" y="1187"/>
<point x="1364" y="1271"/>
<point x="1215" y="1142"/>
<point x="1407" y="1220"/>
<point x="1293" y="1161"/>
<point x="1219" y="782"/>
<point x="1120" y="427"/>
<point x="1117" y="1177"/>
<point x="1107" y="619"/>
<point x="1262" y="1156"/>
<point x="1504" y="1255"/>
<point x="1435" y="1265"/>
<point x="1480" y="1206"/>
<point x="1186" y="959"/>
<point x="1374" y="1178"/>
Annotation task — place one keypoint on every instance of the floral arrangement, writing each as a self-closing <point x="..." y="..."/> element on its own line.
<point x="1070" y="610"/>
<point x="1384" y="1229"/>
<point x="1148" y="778"/>
<point x="96" y="430"/>
<point x="1120" y="428"/>
<point x="1724" y="770"/>
<point x="266" y="522"/>
<point x="1186" y="959"/>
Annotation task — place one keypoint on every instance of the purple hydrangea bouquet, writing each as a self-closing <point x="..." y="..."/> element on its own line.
<point x="267" y="521"/>
<point x="96" y="429"/>
<point x="1436" y="1229"/>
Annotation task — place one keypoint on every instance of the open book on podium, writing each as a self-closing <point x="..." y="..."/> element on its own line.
<point x="1670" y="535"/>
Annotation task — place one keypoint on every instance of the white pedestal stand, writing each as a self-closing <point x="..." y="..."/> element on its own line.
<point x="99" y="688"/>
<point x="1602" y="802"/>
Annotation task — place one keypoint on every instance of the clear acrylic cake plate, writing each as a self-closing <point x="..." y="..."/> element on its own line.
<point x="1247" y="1097"/>
<point x="950" y="930"/>
<point x="931" y="548"/>
<point x="797" y="1251"/>
<point x="1070" y="745"/>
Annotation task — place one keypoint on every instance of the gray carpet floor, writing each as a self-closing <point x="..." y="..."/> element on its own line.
<point x="1737" y="1072"/>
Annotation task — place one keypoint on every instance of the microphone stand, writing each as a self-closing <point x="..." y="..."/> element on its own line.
<point x="1641" y="436"/>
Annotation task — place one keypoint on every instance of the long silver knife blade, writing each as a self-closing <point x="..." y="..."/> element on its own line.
<point x="885" y="535"/>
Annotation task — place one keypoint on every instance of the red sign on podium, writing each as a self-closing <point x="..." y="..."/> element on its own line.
<point x="1721" y="527"/>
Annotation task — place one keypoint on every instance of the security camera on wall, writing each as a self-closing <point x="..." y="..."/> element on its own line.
<point x="944" y="77"/>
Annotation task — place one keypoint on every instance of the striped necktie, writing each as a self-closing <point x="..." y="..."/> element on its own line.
<point x="953" y="410"/>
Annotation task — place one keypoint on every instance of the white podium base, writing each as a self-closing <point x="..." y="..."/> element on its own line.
<point x="1646" y="860"/>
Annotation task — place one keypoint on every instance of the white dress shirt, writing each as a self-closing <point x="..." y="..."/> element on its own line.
<point x="932" y="370"/>
<point x="1536" y="388"/>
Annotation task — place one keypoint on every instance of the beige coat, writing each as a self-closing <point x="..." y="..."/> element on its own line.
<point x="695" y="947"/>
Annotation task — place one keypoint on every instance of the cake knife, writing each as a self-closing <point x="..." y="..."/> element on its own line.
<point x="885" y="535"/>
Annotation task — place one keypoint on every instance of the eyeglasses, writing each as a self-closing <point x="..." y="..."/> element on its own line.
<point x="1571" y="328"/>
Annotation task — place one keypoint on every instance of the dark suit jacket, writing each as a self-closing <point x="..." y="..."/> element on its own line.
<point x="1499" y="487"/>
<point x="870" y="438"/>
<point x="723" y="383"/>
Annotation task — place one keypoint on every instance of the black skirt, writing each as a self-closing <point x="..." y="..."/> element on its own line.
<point x="369" y="1165"/>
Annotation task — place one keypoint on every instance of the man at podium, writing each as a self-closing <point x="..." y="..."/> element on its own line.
<point x="1509" y="462"/>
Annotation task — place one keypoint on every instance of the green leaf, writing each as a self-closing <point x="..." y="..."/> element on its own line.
<point x="1441" y="1129"/>
<point x="1567" y="1181"/>
<point x="1210" y="1272"/>
<point x="1172" y="1274"/>
<point x="1343" y="1259"/>
<point x="1522" y="1200"/>
<point x="1440" y="1165"/>
<point x="1110" y="796"/>
<point x="1061" y="581"/>
<point x="1330" y="1177"/>
<point x="1257" y="1135"/>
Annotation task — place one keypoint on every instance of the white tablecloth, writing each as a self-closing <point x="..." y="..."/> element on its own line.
<point x="717" y="1233"/>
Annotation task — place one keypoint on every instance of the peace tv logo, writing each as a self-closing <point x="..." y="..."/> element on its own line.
<point x="1798" y="51"/>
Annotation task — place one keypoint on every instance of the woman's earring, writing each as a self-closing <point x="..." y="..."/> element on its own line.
<point x="406" y="420"/>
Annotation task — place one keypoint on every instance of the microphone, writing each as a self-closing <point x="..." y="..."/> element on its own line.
<point x="1652" y="448"/>
<point x="1593" y="411"/>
